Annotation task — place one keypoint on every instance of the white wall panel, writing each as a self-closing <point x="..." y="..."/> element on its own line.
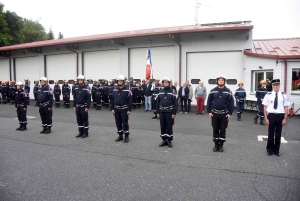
<point x="60" y="67"/>
<point x="4" y="69"/>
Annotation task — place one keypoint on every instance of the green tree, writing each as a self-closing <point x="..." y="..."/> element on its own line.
<point x="5" y="38"/>
<point x="33" y="31"/>
<point x="50" y="34"/>
<point x="15" y="24"/>
<point x="60" y="35"/>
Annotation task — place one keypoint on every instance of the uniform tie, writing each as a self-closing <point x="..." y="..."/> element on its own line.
<point x="276" y="102"/>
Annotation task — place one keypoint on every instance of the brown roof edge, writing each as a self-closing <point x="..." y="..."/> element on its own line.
<point x="272" y="56"/>
<point x="128" y="34"/>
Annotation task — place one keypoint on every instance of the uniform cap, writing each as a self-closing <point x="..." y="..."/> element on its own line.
<point x="275" y="81"/>
<point x="221" y="76"/>
<point x="43" y="79"/>
<point x="19" y="83"/>
<point x="262" y="81"/>
<point x="240" y="82"/>
<point x="80" y="77"/>
<point x="121" y="77"/>
<point x="166" y="79"/>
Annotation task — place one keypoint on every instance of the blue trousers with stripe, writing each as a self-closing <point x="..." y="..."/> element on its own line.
<point x="166" y="125"/>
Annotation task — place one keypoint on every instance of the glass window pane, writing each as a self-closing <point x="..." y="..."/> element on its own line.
<point x="212" y="81"/>
<point x="258" y="77"/>
<point x="296" y="79"/>
<point x="195" y="81"/>
<point x="232" y="81"/>
<point x="269" y="76"/>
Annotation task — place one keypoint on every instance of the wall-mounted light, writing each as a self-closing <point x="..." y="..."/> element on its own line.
<point x="149" y="41"/>
<point x="260" y="67"/>
<point x="98" y="45"/>
<point x="276" y="62"/>
<point x="211" y="37"/>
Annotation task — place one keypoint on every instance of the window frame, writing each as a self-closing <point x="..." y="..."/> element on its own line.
<point x="253" y="72"/>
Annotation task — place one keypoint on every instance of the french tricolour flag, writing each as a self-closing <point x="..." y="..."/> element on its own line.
<point x="148" y="65"/>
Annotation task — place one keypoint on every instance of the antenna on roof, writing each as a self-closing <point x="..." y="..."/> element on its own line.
<point x="197" y="4"/>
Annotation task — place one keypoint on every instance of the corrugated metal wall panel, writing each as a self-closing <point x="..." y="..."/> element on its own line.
<point x="4" y="69"/>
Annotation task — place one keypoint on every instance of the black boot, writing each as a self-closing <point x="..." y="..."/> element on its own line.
<point x="23" y="128"/>
<point x="221" y="149"/>
<point x="48" y="130"/>
<point x="58" y="105"/>
<point x="239" y="118"/>
<point x="120" y="138"/>
<point x="85" y="135"/>
<point x="163" y="143"/>
<point x="44" y="130"/>
<point x="216" y="147"/>
<point x="126" y="139"/>
<point x="155" y="117"/>
<point x="262" y="122"/>
<point x="255" y="119"/>
<point x="170" y="145"/>
<point x="97" y="108"/>
<point x="19" y="127"/>
<point x="79" y="135"/>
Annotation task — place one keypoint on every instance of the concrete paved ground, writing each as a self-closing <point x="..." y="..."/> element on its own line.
<point x="60" y="167"/>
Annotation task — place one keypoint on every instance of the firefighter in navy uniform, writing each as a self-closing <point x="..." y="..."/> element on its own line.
<point x="8" y="92"/>
<point x="82" y="102"/>
<point x="105" y="94"/>
<point x="260" y="94"/>
<point x="45" y="102"/>
<point x="75" y="85"/>
<point x="220" y="107"/>
<point x="35" y="91"/>
<point x="121" y="108"/>
<point x="66" y="90"/>
<point x="140" y="95"/>
<point x="98" y="95"/>
<point x="63" y="91"/>
<point x="27" y="89"/>
<point x="276" y="111"/>
<point x="135" y="92"/>
<point x="154" y="97"/>
<point x="240" y="96"/>
<point x="4" y="92"/>
<point x="12" y="91"/>
<point x="110" y="91"/>
<point x="21" y="97"/>
<point x="166" y="104"/>
<point x="57" y="93"/>
<point x="93" y="94"/>
<point x="143" y="97"/>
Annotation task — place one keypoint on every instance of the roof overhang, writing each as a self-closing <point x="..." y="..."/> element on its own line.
<point x="272" y="56"/>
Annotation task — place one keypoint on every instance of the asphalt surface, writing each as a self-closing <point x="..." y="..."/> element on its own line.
<point x="60" y="167"/>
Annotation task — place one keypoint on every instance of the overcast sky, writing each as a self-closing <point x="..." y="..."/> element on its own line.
<point x="271" y="18"/>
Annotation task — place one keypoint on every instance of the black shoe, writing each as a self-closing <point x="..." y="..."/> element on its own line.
<point x="216" y="148"/>
<point x="269" y="154"/>
<point x="255" y="120"/>
<point x="197" y="113"/>
<point x="170" y="145"/>
<point x="277" y="154"/>
<point x="23" y="128"/>
<point x="126" y="139"/>
<point x="154" y="117"/>
<point x="100" y="108"/>
<point x="146" y="111"/>
<point x="120" y="138"/>
<point x="19" y="128"/>
<point x="44" y="130"/>
<point x="262" y="122"/>
<point x="79" y="135"/>
<point x="164" y="143"/>
<point x="84" y="135"/>
<point x="97" y="108"/>
<point x="239" y="118"/>
<point x="221" y="149"/>
<point x="48" y="130"/>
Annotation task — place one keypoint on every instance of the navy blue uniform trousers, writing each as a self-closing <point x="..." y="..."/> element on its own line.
<point x="219" y="124"/>
<point x="82" y="120"/>
<point x="275" y="128"/>
<point x="166" y="125"/>
<point x="46" y="117"/>
<point x="22" y="115"/>
<point x="121" y="119"/>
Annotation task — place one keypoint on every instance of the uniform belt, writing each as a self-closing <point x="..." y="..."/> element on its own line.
<point x="166" y="108"/>
<point x="98" y="92"/>
<point x="219" y="111"/>
<point x="110" y="94"/>
<point x="80" y="105"/>
<point x="45" y="103"/>
<point x="277" y="113"/>
<point x="121" y="106"/>
<point x="20" y="105"/>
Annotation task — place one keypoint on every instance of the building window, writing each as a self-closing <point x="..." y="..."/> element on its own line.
<point x="295" y="79"/>
<point x="231" y="81"/>
<point x="195" y="81"/>
<point x="257" y="76"/>
<point x="212" y="81"/>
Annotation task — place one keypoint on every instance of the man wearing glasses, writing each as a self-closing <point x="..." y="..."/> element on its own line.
<point x="260" y="94"/>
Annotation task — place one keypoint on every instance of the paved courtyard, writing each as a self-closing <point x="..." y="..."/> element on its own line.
<point x="60" y="167"/>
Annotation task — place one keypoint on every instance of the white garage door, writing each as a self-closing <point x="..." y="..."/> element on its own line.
<point x="4" y="70"/>
<point x="163" y="62"/>
<point x="61" y="67"/>
<point x="27" y="68"/>
<point x="209" y="65"/>
<point x="102" y="64"/>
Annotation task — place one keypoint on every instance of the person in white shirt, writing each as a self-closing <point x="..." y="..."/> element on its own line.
<point x="276" y="111"/>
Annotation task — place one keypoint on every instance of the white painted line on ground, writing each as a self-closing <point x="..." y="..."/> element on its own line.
<point x="262" y="138"/>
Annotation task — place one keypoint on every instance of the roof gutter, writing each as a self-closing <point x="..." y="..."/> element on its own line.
<point x="285" y="74"/>
<point x="76" y="58"/>
<point x="179" y="65"/>
<point x="272" y="56"/>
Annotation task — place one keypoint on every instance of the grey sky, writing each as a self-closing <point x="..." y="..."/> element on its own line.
<point x="271" y="18"/>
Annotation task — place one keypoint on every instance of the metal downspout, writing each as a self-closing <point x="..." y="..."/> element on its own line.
<point x="179" y="67"/>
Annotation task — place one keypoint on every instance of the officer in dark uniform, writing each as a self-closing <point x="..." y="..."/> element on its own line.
<point x="105" y="94"/>
<point x="98" y="94"/>
<point x="63" y="91"/>
<point x="166" y="104"/>
<point x="21" y="106"/>
<point x="260" y="94"/>
<point x="134" y="90"/>
<point x="82" y="102"/>
<point x="140" y="95"/>
<point x="276" y="111"/>
<point x="240" y="96"/>
<point x="12" y="91"/>
<point x="110" y="91"/>
<point x="57" y="93"/>
<point x="75" y="85"/>
<point x="143" y="97"/>
<point x="220" y="107"/>
<point x="45" y="102"/>
<point x="93" y="94"/>
<point x="27" y="89"/>
<point x="8" y="91"/>
<point x="154" y="97"/>
<point x="4" y="92"/>
<point x="35" y="91"/>
<point x="66" y="93"/>
<point x="121" y="108"/>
